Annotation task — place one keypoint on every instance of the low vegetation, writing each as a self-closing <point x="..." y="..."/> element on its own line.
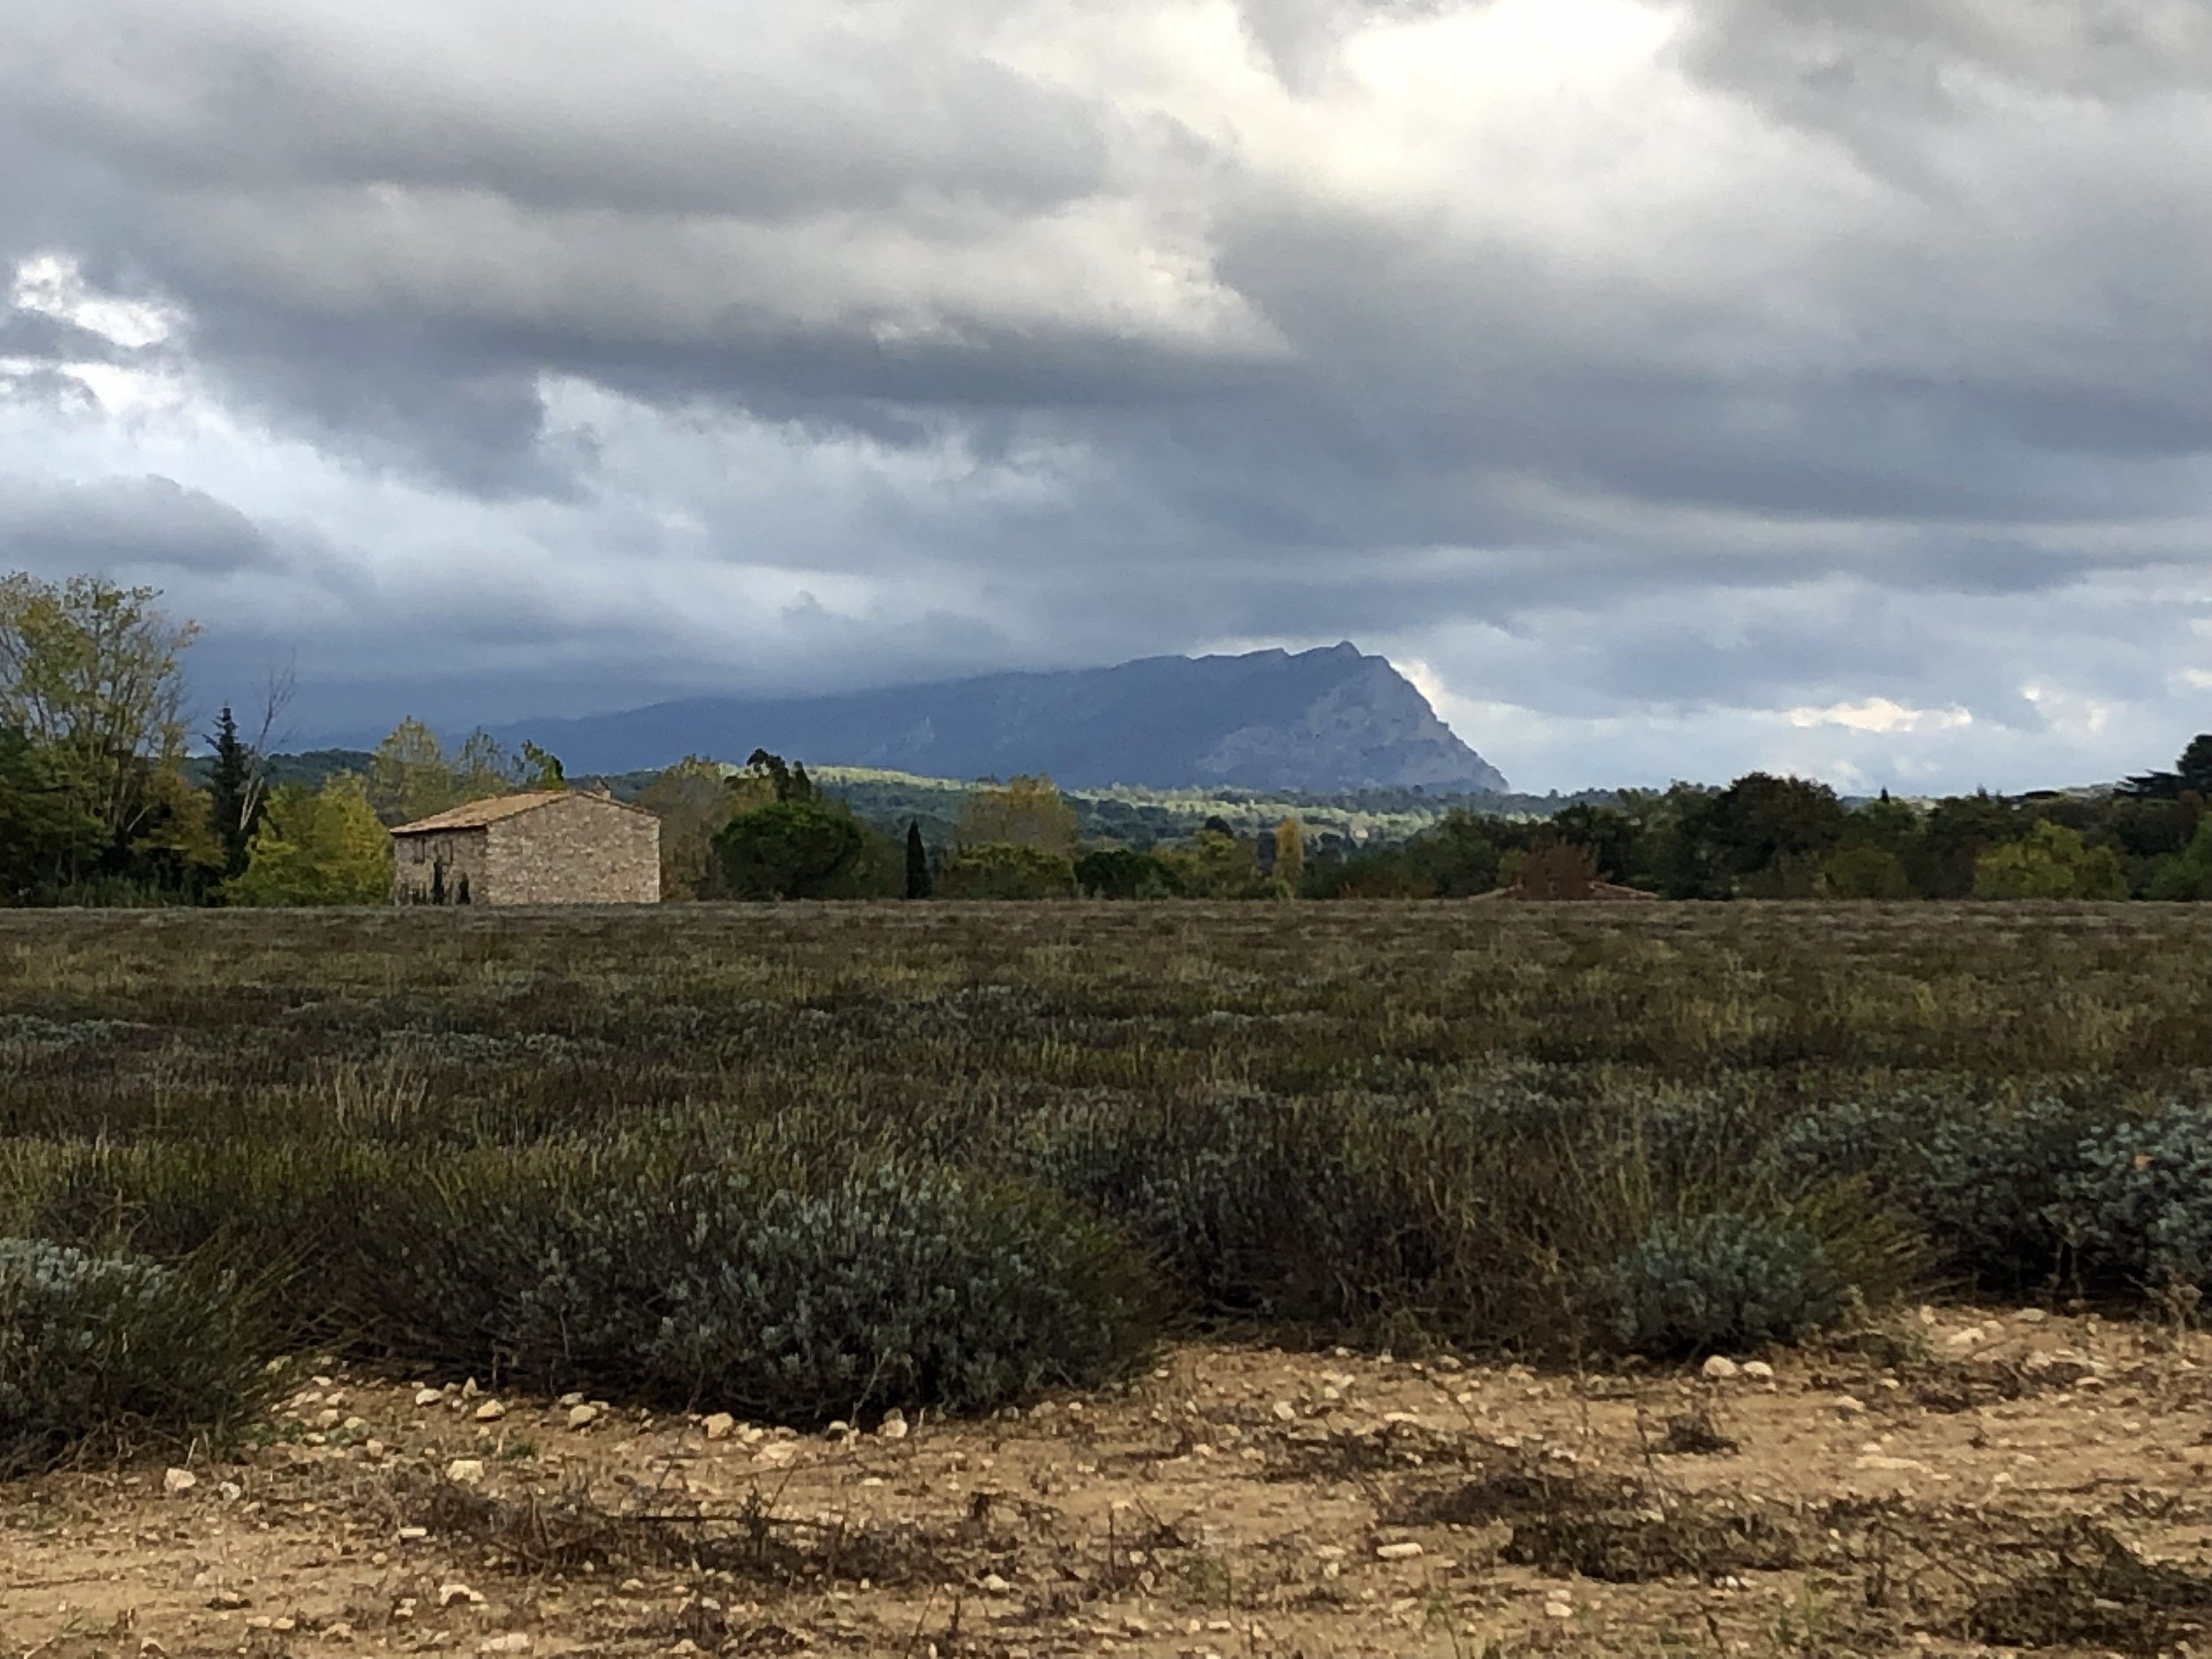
<point x="819" y="1159"/>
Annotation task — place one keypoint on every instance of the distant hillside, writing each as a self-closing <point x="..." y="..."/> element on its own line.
<point x="1323" y="720"/>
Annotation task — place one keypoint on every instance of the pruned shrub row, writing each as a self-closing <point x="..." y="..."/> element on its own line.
<point x="105" y="1355"/>
<point x="680" y="1282"/>
<point x="778" y="1281"/>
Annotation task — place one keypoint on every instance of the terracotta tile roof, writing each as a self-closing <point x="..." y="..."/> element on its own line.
<point x="476" y="814"/>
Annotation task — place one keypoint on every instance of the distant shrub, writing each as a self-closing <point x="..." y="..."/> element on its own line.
<point x="2050" y="862"/>
<point x="2139" y="1207"/>
<point x="896" y="1285"/>
<point x="1006" y="870"/>
<point x="1715" y="1281"/>
<point x="1123" y="872"/>
<point x="101" y="1355"/>
<point x="788" y="849"/>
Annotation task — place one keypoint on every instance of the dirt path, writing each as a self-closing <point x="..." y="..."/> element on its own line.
<point x="1976" y="1481"/>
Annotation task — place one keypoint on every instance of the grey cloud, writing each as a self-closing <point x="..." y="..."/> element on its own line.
<point x="129" y="523"/>
<point x="34" y="336"/>
<point x="1921" y="344"/>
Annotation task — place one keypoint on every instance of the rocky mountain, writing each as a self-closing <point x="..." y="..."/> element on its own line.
<point x="1313" y="720"/>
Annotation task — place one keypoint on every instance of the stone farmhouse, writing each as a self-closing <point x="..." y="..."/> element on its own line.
<point x="546" y="847"/>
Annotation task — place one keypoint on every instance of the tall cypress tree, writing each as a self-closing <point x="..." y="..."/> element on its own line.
<point x="234" y="804"/>
<point x="917" y="862"/>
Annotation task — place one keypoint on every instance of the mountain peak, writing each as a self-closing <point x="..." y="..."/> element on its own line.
<point x="1319" y="721"/>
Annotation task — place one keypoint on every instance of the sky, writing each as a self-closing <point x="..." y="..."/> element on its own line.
<point x="1669" y="390"/>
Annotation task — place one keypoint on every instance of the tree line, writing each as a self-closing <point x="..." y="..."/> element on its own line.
<point x="101" y="801"/>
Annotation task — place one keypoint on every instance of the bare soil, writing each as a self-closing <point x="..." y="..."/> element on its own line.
<point x="1959" y="1483"/>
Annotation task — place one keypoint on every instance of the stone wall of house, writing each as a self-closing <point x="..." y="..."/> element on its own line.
<point x="464" y="855"/>
<point x="579" y="849"/>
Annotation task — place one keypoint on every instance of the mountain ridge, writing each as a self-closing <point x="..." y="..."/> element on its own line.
<point x="1329" y="719"/>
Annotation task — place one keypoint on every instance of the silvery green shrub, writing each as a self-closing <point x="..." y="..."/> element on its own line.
<point x="897" y="1284"/>
<point x="101" y="1354"/>
<point x="1699" y="1284"/>
<point x="2138" y="1207"/>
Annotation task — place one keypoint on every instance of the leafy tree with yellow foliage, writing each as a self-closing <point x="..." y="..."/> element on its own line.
<point x="1024" y="811"/>
<point x="2050" y="862"/>
<point x="1289" y="857"/>
<point x="322" y="846"/>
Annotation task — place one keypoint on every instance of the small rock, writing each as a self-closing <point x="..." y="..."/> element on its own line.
<point x="2032" y="1315"/>
<point x="1848" y="1405"/>
<point x="1558" y="1610"/>
<point x="466" y="1471"/>
<point x="469" y="1390"/>
<point x="995" y="1585"/>
<point x="1720" y="1369"/>
<point x="174" y="1482"/>
<point x="631" y="1587"/>
<point x="1758" y="1371"/>
<point x="1285" y="1412"/>
<point x="490" y="1411"/>
<point x="229" y="1600"/>
<point x="1882" y="1462"/>
<point x="513" y="1641"/>
<point x="230" y="1491"/>
<point x="428" y="1396"/>
<point x="449" y="1594"/>
<point x="1405" y="1552"/>
<point x="893" y="1426"/>
<point x="581" y="1416"/>
<point x="719" y="1426"/>
<point x="567" y="1400"/>
<point x="776" y="1452"/>
<point x="413" y="1534"/>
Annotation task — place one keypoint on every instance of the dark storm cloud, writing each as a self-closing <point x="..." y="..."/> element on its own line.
<point x="130" y="524"/>
<point x="913" y="338"/>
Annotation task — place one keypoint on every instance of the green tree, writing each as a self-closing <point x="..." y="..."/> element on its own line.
<point x="482" y="769"/>
<point x="541" y="769"/>
<point x="1123" y="872"/>
<point x="1864" y="872"/>
<point x="1216" y="864"/>
<point x="1006" y="870"/>
<point x="91" y="673"/>
<point x="409" y="776"/>
<point x="791" y="849"/>
<point x="2188" y="875"/>
<point x="1771" y="833"/>
<point x="322" y="846"/>
<point x="235" y="794"/>
<point x="2193" y="771"/>
<point x="47" y="833"/>
<point x="918" y="883"/>
<point x="693" y="800"/>
<point x="1959" y="830"/>
<point x="784" y="782"/>
<point x="1024" y="811"/>
<point x="1610" y="833"/>
<point x="1456" y="857"/>
<point x="2050" y="862"/>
